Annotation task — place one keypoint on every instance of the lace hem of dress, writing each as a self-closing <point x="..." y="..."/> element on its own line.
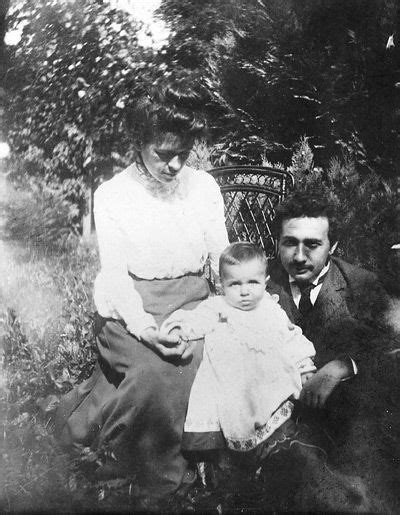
<point x="261" y="434"/>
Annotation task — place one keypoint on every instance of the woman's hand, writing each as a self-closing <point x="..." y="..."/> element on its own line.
<point x="184" y="333"/>
<point x="168" y="346"/>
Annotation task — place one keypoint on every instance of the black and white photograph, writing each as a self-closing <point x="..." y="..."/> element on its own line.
<point x="200" y="256"/>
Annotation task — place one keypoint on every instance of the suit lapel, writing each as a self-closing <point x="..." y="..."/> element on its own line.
<point x="329" y="300"/>
<point x="333" y="290"/>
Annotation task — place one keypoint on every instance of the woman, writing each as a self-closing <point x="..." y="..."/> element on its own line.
<point x="157" y="222"/>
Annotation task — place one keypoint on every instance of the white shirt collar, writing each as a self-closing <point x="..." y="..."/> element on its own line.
<point x="296" y="293"/>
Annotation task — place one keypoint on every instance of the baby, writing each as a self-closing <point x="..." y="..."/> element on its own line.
<point x="255" y="360"/>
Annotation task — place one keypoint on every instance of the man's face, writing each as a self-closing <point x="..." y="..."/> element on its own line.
<point x="304" y="247"/>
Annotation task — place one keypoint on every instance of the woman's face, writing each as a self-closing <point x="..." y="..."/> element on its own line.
<point x="165" y="157"/>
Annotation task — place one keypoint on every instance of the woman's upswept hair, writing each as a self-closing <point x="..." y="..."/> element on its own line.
<point x="303" y="204"/>
<point x="174" y="106"/>
<point x="241" y="252"/>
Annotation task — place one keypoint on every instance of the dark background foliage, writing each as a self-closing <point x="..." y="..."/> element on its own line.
<point x="284" y="69"/>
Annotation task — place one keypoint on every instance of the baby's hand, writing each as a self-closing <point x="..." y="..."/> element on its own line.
<point x="183" y="332"/>
<point x="168" y="346"/>
<point x="176" y="327"/>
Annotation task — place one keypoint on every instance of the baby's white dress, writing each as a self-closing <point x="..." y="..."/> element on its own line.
<point x="251" y="368"/>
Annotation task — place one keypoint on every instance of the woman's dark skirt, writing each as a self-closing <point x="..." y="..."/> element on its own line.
<point x="135" y="402"/>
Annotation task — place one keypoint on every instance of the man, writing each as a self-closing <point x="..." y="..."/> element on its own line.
<point x="354" y="395"/>
<point x="340" y="307"/>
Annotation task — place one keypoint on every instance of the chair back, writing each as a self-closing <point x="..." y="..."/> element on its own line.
<point x="251" y="194"/>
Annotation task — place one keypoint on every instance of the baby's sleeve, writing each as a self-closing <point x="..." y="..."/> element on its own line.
<point x="198" y="321"/>
<point x="295" y="345"/>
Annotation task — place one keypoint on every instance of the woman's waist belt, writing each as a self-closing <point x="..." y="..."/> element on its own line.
<point x="188" y="274"/>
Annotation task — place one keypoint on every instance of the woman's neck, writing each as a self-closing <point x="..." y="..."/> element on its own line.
<point x="157" y="188"/>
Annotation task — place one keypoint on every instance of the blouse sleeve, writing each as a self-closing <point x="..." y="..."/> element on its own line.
<point x="216" y="235"/>
<point x="295" y="344"/>
<point x="117" y="287"/>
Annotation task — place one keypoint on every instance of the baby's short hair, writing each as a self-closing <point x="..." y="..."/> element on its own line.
<point x="241" y="252"/>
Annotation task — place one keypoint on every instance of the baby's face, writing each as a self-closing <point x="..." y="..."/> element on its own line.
<point x="244" y="284"/>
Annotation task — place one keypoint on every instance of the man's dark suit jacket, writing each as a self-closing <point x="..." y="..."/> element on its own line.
<point x="347" y="317"/>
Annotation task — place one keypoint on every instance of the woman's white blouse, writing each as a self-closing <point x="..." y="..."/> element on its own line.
<point x="153" y="237"/>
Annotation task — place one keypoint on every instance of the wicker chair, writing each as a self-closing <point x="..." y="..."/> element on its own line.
<point x="251" y="194"/>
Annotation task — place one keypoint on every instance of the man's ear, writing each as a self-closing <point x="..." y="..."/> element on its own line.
<point x="333" y="248"/>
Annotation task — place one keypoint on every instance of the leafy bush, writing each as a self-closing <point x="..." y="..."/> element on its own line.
<point x="200" y="156"/>
<point x="70" y="78"/>
<point x="366" y="205"/>
<point x="43" y="212"/>
<point x="276" y="70"/>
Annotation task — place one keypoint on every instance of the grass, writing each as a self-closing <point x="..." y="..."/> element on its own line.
<point x="47" y="345"/>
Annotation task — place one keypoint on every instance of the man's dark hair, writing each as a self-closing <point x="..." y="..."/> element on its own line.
<point x="241" y="252"/>
<point x="302" y="204"/>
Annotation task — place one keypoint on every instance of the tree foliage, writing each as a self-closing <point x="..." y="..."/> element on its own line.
<point x="366" y="207"/>
<point x="275" y="70"/>
<point x="281" y="69"/>
<point x="70" y="77"/>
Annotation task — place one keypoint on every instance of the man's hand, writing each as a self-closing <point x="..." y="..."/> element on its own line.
<point x="306" y="376"/>
<point x="169" y="346"/>
<point x="318" y="388"/>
